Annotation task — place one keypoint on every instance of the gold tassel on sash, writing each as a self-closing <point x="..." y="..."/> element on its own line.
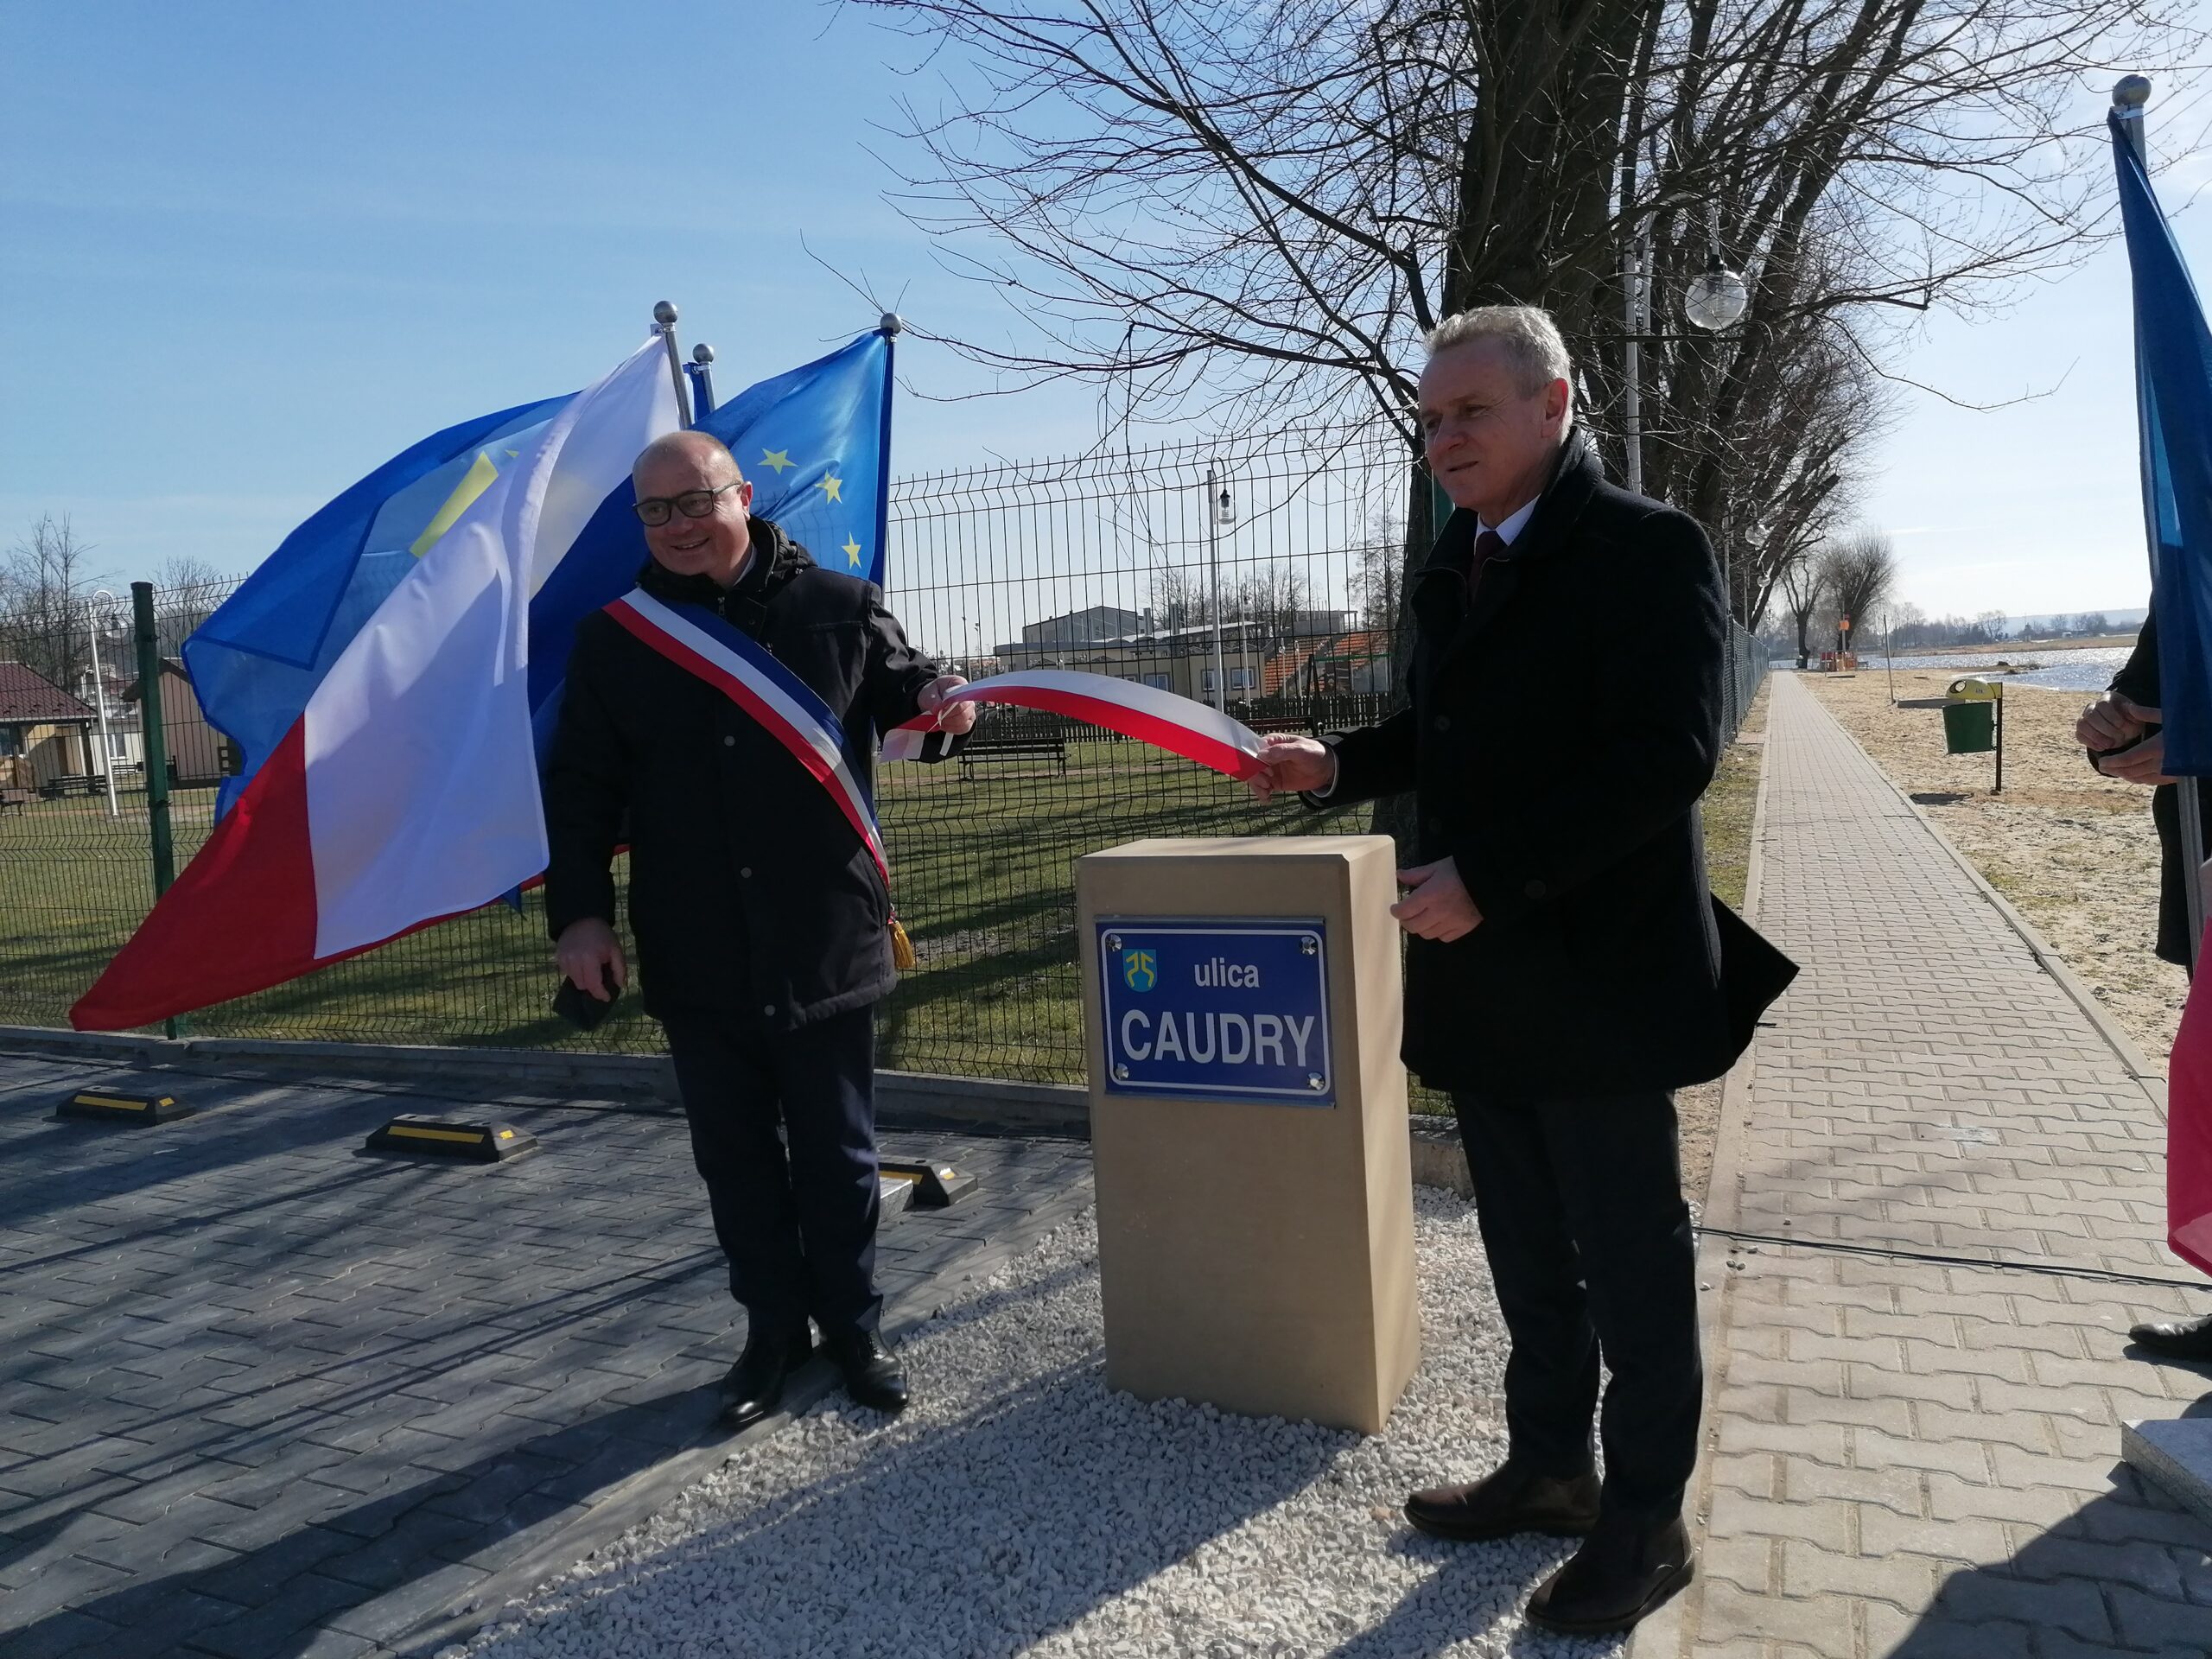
<point x="902" y="948"/>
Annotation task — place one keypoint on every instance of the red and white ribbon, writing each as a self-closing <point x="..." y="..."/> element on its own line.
<point x="1143" y="711"/>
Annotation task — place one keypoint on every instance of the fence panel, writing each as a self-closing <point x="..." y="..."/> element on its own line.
<point x="1746" y="672"/>
<point x="1261" y="572"/>
<point x="74" y="876"/>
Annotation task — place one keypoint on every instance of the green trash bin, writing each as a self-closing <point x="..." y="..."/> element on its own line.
<point x="1970" y="715"/>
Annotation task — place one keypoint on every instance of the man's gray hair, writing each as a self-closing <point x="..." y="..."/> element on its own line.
<point x="1529" y="336"/>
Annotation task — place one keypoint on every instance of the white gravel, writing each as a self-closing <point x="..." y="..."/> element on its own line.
<point x="1020" y="1507"/>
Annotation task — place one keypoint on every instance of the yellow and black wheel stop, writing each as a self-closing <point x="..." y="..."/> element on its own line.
<point x="452" y="1140"/>
<point x="935" y="1185"/>
<point x="116" y="1106"/>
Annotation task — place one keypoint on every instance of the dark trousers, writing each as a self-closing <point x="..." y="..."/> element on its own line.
<point x="1582" y="1210"/>
<point x="796" y="1215"/>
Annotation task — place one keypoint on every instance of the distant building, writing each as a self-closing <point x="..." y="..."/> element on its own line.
<point x="45" y="733"/>
<point x="195" y="748"/>
<point x="1292" y="655"/>
<point x="1083" y="627"/>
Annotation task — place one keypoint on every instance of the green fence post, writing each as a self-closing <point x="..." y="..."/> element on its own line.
<point x="154" y="736"/>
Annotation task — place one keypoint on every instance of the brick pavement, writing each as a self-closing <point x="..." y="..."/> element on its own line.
<point x="263" y="1395"/>
<point x="1913" y="1455"/>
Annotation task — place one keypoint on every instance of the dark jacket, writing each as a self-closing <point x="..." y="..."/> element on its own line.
<point x="1565" y="719"/>
<point x="2138" y="681"/>
<point x="747" y="887"/>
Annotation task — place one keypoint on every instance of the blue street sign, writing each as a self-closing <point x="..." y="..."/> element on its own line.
<point x="1217" y="1009"/>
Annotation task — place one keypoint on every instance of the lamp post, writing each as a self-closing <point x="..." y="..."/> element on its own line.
<point x="1715" y="299"/>
<point x="98" y="617"/>
<point x="1754" y="538"/>
<point x="1638" y="320"/>
<point x="1221" y="510"/>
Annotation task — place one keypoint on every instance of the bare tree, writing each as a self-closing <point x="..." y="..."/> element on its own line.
<point x="1857" y="572"/>
<point x="44" y="578"/>
<point x="1378" y="585"/>
<point x="1271" y="600"/>
<point x="1258" y="207"/>
<point x="1803" y="583"/>
<point x="178" y="571"/>
<point x="1180" y="599"/>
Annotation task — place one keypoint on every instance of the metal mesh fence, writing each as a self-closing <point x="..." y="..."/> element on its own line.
<point x="1263" y="572"/>
<point x="1747" y="667"/>
<point x="1260" y="573"/>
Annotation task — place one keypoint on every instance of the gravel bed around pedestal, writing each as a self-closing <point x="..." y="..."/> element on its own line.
<point x="1020" y="1507"/>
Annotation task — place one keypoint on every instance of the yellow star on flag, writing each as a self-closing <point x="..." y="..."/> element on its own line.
<point x="851" y="550"/>
<point x="777" y="460"/>
<point x="829" y="486"/>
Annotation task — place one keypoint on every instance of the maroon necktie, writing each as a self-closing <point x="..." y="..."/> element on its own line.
<point x="1488" y="545"/>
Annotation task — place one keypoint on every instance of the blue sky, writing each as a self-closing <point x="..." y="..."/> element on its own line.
<point x="249" y="251"/>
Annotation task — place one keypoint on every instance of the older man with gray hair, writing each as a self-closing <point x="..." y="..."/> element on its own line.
<point x="1567" y="969"/>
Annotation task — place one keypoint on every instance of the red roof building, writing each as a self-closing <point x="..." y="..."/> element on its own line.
<point x="28" y="698"/>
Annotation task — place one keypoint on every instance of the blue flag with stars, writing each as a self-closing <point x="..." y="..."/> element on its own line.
<point x="817" y="444"/>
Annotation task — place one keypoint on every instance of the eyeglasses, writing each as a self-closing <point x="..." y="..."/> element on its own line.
<point x="654" y="510"/>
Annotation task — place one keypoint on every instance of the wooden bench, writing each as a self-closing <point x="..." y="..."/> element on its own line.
<point x="80" y="782"/>
<point x="14" y="800"/>
<point x="1302" y="725"/>
<point x="1054" y="749"/>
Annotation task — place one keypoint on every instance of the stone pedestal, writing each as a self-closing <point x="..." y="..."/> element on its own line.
<point x="1243" y="1002"/>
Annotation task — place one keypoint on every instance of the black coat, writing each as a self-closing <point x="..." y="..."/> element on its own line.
<point x="2138" y="681"/>
<point x="747" y="886"/>
<point x="1561" y="728"/>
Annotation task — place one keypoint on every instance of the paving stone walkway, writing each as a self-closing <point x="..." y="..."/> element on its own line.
<point x="262" y="1394"/>
<point x="1919" y="1390"/>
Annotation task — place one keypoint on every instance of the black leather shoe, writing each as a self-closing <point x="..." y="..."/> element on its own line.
<point x="1513" y="1499"/>
<point x="1627" y="1568"/>
<point x="2177" y="1338"/>
<point x="872" y="1375"/>
<point x="755" y="1384"/>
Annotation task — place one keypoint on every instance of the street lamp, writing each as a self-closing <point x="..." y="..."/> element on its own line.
<point x="1221" y="509"/>
<point x="1717" y="296"/>
<point x="104" y="618"/>
<point x="1715" y="299"/>
<point x="1755" y="537"/>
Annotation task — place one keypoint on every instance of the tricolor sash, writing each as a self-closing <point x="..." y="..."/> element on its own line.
<point x="703" y="644"/>
<point x="1149" y="713"/>
<point x="742" y="669"/>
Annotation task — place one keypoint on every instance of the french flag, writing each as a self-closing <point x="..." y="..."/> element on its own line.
<point x="407" y="790"/>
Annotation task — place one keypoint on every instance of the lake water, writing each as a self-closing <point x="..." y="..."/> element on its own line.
<point x="2088" y="670"/>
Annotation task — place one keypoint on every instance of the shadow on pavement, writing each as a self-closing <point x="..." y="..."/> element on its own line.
<point x="2126" y="1573"/>
<point x="381" y="1568"/>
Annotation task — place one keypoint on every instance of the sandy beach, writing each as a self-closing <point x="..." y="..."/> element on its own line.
<point x="2074" y="852"/>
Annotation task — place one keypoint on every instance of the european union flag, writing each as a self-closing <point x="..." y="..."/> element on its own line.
<point x="2173" y="394"/>
<point x="817" y="444"/>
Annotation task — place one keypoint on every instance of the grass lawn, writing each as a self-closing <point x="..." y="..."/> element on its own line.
<point x="982" y="870"/>
<point x="1729" y="804"/>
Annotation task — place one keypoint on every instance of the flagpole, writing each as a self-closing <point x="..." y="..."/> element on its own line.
<point x="2129" y="96"/>
<point x="701" y="368"/>
<point x="891" y="326"/>
<point x="665" y="326"/>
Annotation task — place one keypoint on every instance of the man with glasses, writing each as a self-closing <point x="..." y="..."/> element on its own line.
<point x="761" y="918"/>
